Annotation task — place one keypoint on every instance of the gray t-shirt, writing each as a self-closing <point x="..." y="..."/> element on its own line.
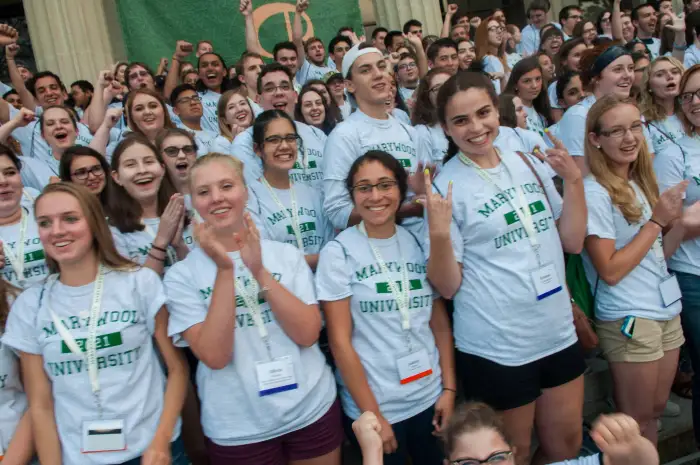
<point x="136" y="245"/>
<point x="13" y="400"/>
<point x="132" y="382"/>
<point x="348" y="268"/>
<point x="35" y="269"/>
<point x="233" y="412"/>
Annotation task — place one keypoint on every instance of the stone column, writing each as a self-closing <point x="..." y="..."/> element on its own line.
<point x="392" y="14"/>
<point x="74" y="38"/>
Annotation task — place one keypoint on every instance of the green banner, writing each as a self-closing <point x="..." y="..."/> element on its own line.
<point x="151" y="27"/>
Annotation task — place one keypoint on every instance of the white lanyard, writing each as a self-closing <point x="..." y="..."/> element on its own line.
<point x="251" y="301"/>
<point x="520" y="205"/>
<point x="90" y="354"/>
<point x="296" y="227"/>
<point x="168" y="250"/>
<point x="17" y="260"/>
<point x="403" y="295"/>
<point x="658" y="246"/>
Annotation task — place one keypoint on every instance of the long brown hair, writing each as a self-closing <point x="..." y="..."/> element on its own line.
<point x="687" y="125"/>
<point x="482" y="46"/>
<point x="650" y="108"/>
<point x="124" y="211"/>
<point x="102" y="241"/>
<point x="424" y="112"/>
<point x="224" y="127"/>
<point x="167" y="122"/>
<point x="641" y="172"/>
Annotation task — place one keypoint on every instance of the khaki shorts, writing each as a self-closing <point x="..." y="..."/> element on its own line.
<point x="650" y="340"/>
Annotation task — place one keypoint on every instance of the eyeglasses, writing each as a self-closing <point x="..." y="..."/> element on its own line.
<point x="192" y="99"/>
<point x="186" y="149"/>
<point x="497" y="457"/>
<point x="277" y="140"/>
<point x="496" y="29"/>
<point x="83" y="173"/>
<point x="575" y="17"/>
<point x="284" y="87"/>
<point x="406" y="66"/>
<point x="687" y="97"/>
<point x="619" y="133"/>
<point x="381" y="187"/>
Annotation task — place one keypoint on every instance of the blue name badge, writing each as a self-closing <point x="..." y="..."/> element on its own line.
<point x="276" y="376"/>
<point x="546" y="281"/>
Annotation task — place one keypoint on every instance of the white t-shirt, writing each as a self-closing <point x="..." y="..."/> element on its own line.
<point x="37" y="173"/>
<point x="434" y="143"/>
<point x="313" y="140"/>
<point x="654" y="47"/>
<point x="13" y="400"/>
<point x="663" y="133"/>
<point x="233" y="412"/>
<point x="512" y="59"/>
<point x="210" y="119"/>
<point x="348" y="268"/>
<point x="401" y="115"/>
<point x="136" y="245"/>
<point x="535" y="121"/>
<point x="637" y="294"/>
<point x="529" y="40"/>
<point x="310" y="71"/>
<point x="132" y="382"/>
<point x="552" y="95"/>
<point x="497" y="315"/>
<point x="691" y="57"/>
<point x="406" y="93"/>
<point x="673" y="165"/>
<point x="493" y="65"/>
<point x="221" y="144"/>
<point x="349" y="141"/>
<point x="522" y="140"/>
<point x="276" y="223"/>
<point x="35" y="269"/>
<point x="346" y="109"/>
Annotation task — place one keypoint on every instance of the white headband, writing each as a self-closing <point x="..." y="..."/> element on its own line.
<point x="353" y="54"/>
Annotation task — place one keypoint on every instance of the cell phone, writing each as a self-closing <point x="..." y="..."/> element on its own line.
<point x="627" y="328"/>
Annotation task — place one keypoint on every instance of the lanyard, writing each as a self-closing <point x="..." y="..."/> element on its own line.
<point x="251" y="301"/>
<point x="401" y="294"/>
<point x="17" y="260"/>
<point x="172" y="256"/>
<point x="520" y="205"/>
<point x="91" y="343"/>
<point x="296" y="227"/>
<point x="657" y="247"/>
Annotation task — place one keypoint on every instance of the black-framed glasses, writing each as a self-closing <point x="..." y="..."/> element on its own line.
<point x="186" y="149"/>
<point x="83" y="173"/>
<point x="406" y="66"/>
<point x="687" y="97"/>
<point x="276" y="141"/>
<point x="284" y="87"/>
<point x="619" y="133"/>
<point x="497" y="457"/>
<point x="188" y="100"/>
<point x="383" y="186"/>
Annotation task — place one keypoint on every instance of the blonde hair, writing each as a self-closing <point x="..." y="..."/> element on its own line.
<point x="621" y="192"/>
<point x="224" y="127"/>
<point x="102" y="241"/>
<point x="212" y="157"/>
<point x="652" y="110"/>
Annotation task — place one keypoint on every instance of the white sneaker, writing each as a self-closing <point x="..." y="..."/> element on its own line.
<point x="672" y="409"/>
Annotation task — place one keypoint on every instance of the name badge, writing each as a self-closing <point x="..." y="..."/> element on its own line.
<point x="276" y="376"/>
<point x="414" y="366"/>
<point x="103" y="436"/>
<point x="546" y="281"/>
<point x="670" y="290"/>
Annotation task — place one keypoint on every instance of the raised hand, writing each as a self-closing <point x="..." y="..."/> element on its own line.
<point x="207" y="240"/>
<point x="416" y="181"/>
<point x="619" y="439"/>
<point x="24" y="117"/>
<point x="677" y="23"/>
<point x="112" y="116"/>
<point x="8" y="35"/>
<point x="452" y="9"/>
<point x="170" y="220"/>
<point x="302" y="5"/>
<point x="105" y="78"/>
<point x="183" y="49"/>
<point x="561" y="162"/>
<point x="249" y="244"/>
<point x="439" y="210"/>
<point x="11" y="51"/>
<point x="246" y="7"/>
<point x="670" y="204"/>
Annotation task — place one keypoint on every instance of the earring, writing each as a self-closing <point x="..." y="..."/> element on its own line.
<point x="597" y="146"/>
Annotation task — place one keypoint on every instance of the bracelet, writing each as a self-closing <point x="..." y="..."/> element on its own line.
<point x="158" y="248"/>
<point x="449" y="389"/>
<point x="652" y="220"/>
<point x="176" y="58"/>
<point x="156" y="258"/>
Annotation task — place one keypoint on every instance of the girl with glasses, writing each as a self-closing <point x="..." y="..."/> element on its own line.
<point x="388" y="330"/>
<point x="284" y="210"/>
<point x="147" y="214"/>
<point x="632" y="230"/>
<point x="87" y="167"/>
<point x="491" y="49"/>
<point x="178" y="149"/>
<point x="246" y="307"/>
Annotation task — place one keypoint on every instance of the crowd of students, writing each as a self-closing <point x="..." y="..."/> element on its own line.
<point x="259" y="263"/>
